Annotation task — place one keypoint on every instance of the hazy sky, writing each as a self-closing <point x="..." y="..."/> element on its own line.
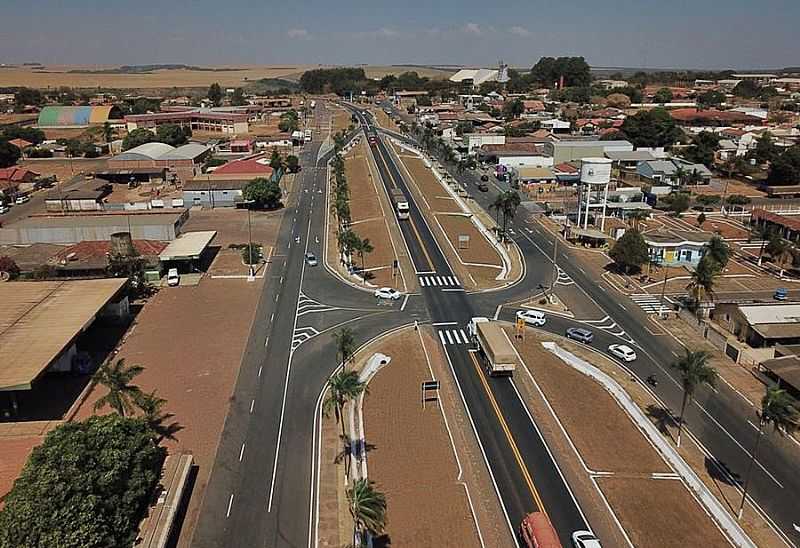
<point x="654" y="33"/>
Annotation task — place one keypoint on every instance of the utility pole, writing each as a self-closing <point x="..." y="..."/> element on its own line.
<point x="663" y="290"/>
<point x="251" y="276"/>
<point x="555" y="264"/>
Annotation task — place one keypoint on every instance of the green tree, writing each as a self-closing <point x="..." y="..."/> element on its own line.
<point x="711" y="98"/>
<point x="8" y="268"/>
<point x="663" y="95"/>
<point x="765" y="150"/>
<point x="779" y="410"/>
<point x="292" y="163"/>
<point x="108" y="132"/>
<point x="785" y="168"/>
<point x="87" y="486"/>
<point x="707" y="200"/>
<point x="548" y="71"/>
<point x="173" y="135"/>
<point x="9" y="154"/>
<point x="363" y="249"/>
<point x="138" y="137"/>
<point x="345" y="344"/>
<point x="703" y="148"/>
<point x="289" y="122"/>
<point x="511" y="201"/>
<point x="264" y="193"/>
<point x="701" y="219"/>
<point x="651" y="128"/>
<point x="780" y="251"/>
<point x="718" y="251"/>
<point x="630" y="251"/>
<point x="27" y="96"/>
<point x="747" y="89"/>
<point x="30" y="134"/>
<point x="342" y="387"/>
<point x="116" y="377"/>
<point x="702" y="282"/>
<point x="275" y="160"/>
<point x="156" y="418"/>
<point x="678" y="202"/>
<point x="695" y="371"/>
<point x="237" y="98"/>
<point x="368" y="509"/>
<point x="215" y="94"/>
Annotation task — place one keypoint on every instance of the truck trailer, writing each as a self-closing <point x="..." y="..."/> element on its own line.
<point x="496" y="349"/>
<point x="400" y="203"/>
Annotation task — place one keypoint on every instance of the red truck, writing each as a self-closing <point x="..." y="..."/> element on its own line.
<point x="536" y="531"/>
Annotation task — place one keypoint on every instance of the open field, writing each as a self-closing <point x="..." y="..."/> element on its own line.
<point x="378" y="71"/>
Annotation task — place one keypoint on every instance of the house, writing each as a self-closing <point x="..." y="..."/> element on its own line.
<point x="13" y="178"/>
<point x="245" y="168"/>
<point x="474" y="141"/>
<point x="184" y="161"/>
<point x="676" y="247"/>
<point x="713" y="117"/>
<point x="629" y="159"/>
<point x="91" y="258"/>
<point x="667" y="172"/>
<point x="556" y="126"/>
<point x="761" y="325"/>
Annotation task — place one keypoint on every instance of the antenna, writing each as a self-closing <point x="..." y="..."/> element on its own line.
<point x="502" y="72"/>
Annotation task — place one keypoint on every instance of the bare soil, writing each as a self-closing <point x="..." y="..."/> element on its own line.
<point x="437" y="199"/>
<point x="64" y="168"/>
<point x="673" y="517"/>
<point x="479" y="250"/>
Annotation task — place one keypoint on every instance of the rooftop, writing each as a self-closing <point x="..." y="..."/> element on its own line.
<point x="756" y="314"/>
<point x="188" y="246"/>
<point x="38" y="320"/>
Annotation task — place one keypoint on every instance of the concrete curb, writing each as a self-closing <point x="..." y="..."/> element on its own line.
<point x="723" y="519"/>
<point x="358" y="447"/>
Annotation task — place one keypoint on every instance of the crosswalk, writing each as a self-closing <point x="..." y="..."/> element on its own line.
<point x="563" y="278"/>
<point x="649" y="303"/>
<point x="429" y="280"/>
<point x="610" y="326"/>
<point x="453" y="336"/>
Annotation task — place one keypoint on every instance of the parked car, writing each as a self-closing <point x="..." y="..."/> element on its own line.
<point x="22" y="199"/>
<point x="580" y="334"/>
<point x="483" y="187"/>
<point x="623" y="352"/>
<point x="173" y="278"/>
<point x="388" y="293"/>
<point x="311" y="259"/>
<point x="4" y="209"/>
<point x="585" y="539"/>
<point x="781" y="294"/>
<point x="532" y="317"/>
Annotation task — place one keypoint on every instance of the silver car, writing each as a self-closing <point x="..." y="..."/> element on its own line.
<point x="580" y="334"/>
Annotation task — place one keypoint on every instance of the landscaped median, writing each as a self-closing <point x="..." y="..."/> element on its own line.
<point x="465" y="234"/>
<point x="424" y="459"/>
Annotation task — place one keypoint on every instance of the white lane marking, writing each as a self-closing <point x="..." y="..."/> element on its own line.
<point x="241" y="453"/>
<point x="438" y="279"/>
<point x="463" y="334"/>
<point x="423" y="281"/>
<point x="454" y="289"/>
<point x="441" y="338"/>
<point x="272" y="317"/>
<point x="439" y="324"/>
<point x="260" y="367"/>
<point x="449" y="337"/>
<point x="457" y="337"/>
<point x="622" y="306"/>
<point x="266" y="342"/>
<point x="230" y="503"/>
<point x="405" y="302"/>
<point x="252" y="404"/>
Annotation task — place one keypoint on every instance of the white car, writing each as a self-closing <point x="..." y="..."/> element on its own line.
<point x="531" y="317"/>
<point x="623" y="352"/>
<point x="22" y="200"/>
<point x="388" y="293"/>
<point x="585" y="539"/>
<point x="173" y="278"/>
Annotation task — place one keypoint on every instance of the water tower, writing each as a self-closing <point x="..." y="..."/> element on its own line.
<point x="593" y="189"/>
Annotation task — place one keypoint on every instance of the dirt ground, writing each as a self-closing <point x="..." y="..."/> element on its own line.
<point x="673" y="516"/>
<point x="427" y="505"/>
<point x="64" y="168"/>
<point x="435" y="196"/>
<point x="479" y="250"/>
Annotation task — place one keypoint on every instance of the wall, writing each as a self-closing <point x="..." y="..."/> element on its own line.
<point x="525" y="161"/>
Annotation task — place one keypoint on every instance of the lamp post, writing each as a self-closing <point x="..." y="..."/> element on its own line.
<point x="251" y="273"/>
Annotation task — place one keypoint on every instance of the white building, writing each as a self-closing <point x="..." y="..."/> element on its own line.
<point x="474" y="141"/>
<point x="475" y="76"/>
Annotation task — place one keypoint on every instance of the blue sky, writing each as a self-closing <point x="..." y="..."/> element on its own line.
<point x="654" y="33"/>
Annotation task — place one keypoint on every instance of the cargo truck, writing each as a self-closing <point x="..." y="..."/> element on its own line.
<point x="537" y="532"/>
<point x="495" y="348"/>
<point x="400" y="203"/>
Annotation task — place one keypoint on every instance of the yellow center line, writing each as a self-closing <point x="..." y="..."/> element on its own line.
<point x="514" y="449"/>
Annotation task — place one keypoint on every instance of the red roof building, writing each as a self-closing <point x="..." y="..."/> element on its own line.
<point x="713" y="117"/>
<point x="21" y="144"/>
<point x="254" y="166"/>
<point x="17" y="174"/>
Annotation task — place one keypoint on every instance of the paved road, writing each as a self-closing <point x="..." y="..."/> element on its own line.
<point x="721" y="419"/>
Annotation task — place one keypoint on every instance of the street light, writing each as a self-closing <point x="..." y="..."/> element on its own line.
<point x="251" y="269"/>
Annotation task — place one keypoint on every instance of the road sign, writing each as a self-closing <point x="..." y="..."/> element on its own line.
<point x="463" y="241"/>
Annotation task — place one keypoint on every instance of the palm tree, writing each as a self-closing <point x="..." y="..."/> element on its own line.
<point x="680" y="175"/>
<point x="365" y="247"/>
<point x="780" y="251"/>
<point x="345" y="344"/>
<point x="778" y="409"/>
<point x="511" y="202"/>
<point x="152" y="412"/>
<point x="761" y="232"/>
<point x="342" y="387"/>
<point x="694" y="370"/>
<point x="368" y="508"/>
<point x="701" y="286"/>
<point x="497" y="205"/>
<point x="117" y="377"/>
<point x="108" y="132"/>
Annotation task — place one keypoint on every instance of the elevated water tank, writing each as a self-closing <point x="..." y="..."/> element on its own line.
<point x="595" y="171"/>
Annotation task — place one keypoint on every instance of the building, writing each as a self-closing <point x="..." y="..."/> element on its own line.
<point x="75" y="200"/>
<point x="13" y="179"/>
<point x="474" y="141"/>
<point x="713" y="117"/>
<point x="611" y="84"/>
<point x="21" y="144"/>
<point x="70" y="229"/>
<point x="667" y="172"/>
<point x="629" y="159"/>
<point x="475" y="77"/>
<point x="531" y="175"/>
<point x="786" y="227"/>
<point x="761" y="325"/>
<point x="676" y="247"/>
<point x="515" y="155"/>
<point x="183" y="162"/>
<point x="568" y="151"/>
<point x="198" y="119"/>
<point x="91" y="258"/>
<point x="593" y="190"/>
<point x="245" y="168"/>
<point x="78" y="117"/>
<point x="207" y="192"/>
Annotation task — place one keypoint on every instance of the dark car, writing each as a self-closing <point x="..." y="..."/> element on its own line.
<point x="484" y="178"/>
<point x="580" y="334"/>
<point x="483" y="187"/>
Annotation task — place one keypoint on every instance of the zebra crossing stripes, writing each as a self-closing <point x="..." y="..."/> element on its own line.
<point x="649" y="303"/>
<point x="563" y="278"/>
<point x="438" y="281"/>
<point x="453" y="336"/>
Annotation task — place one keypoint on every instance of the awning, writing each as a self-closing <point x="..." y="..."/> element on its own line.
<point x="188" y="246"/>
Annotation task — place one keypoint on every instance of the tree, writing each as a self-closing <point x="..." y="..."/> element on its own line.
<point x="264" y="193"/>
<point x="785" y="167"/>
<point x="711" y="98"/>
<point x="237" y="98"/>
<point x="275" y="160"/>
<point x="137" y="137"/>
<point x="496" y="205"/>
<point x="31" y="134"/>
<point x="695" y="371"/>
<point x="636" y="216"/>
<point x="651" y="128"/>
<point x="780" y="251"/>
<point x="173" y="135"/>
<point x="678" y="202"/>
<point x="663" y="95"/>
<point x="108" y="132"/>
<point x="703" y="148"/>
<point x="630" y="251"/>
<point x="779" y="410"/>
<point x="368" y="508"/>
<point x="156" y="418"/>
<point x="290" y="121"/>
<point x="292" y="163"/>
<point x="8" y="268"/>
<point x="765" y="150"/>
<point x="618" y="100"/>
<point x="702" y="281"/>
<point x="345" y="344"/>
<point x="511" y="201"/>
<point x="87" y="486"/>
<point x="718" y="251"/>
<point x="215" y="94"/>
<point x="116" y="377"/>
<point x="363" y="248"/>
<point x="513" y="109"/>
<point x="747" y="89"/>
<point x="707" y="201"/>
<point x="342" y="387"/>
<point x="9" y="154"/>
<point x="701" y="219"/>
<point x="27" y="96"/>
<point x="549" y="71"/>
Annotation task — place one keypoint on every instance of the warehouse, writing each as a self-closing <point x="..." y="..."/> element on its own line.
<point x="207" y="192"/>
<point x="78" y="117"/>
<point x="568" y="151"/>
<point x="197" y="119"/>
<point x="184" y="162"/>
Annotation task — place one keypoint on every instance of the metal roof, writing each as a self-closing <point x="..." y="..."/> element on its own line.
<point x="771" y="313"/>
<point x="71" y="116"/>
<point x="147" y="151"/>
<point x="187" y="246"/>
<point x="630" y="156"/>
<point x="189" y="151"/>
<point x="38" y="320"/>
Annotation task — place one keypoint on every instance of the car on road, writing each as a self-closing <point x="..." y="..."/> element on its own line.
<point x="531" y="317"/>
<point x="387" y="293"/>
<point x="22" y="200"/>
<point x="781" y="294"/>
<point x="585" y="539"/>
<point x="623" y="352"/>
<point x="485" y="178"/>
<point x="483" y="187"/>
<point x="4" y="209"/>
<point x="173" y="278"/>
<point x="580" y="334"/>
<point x="311" y="259"/>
